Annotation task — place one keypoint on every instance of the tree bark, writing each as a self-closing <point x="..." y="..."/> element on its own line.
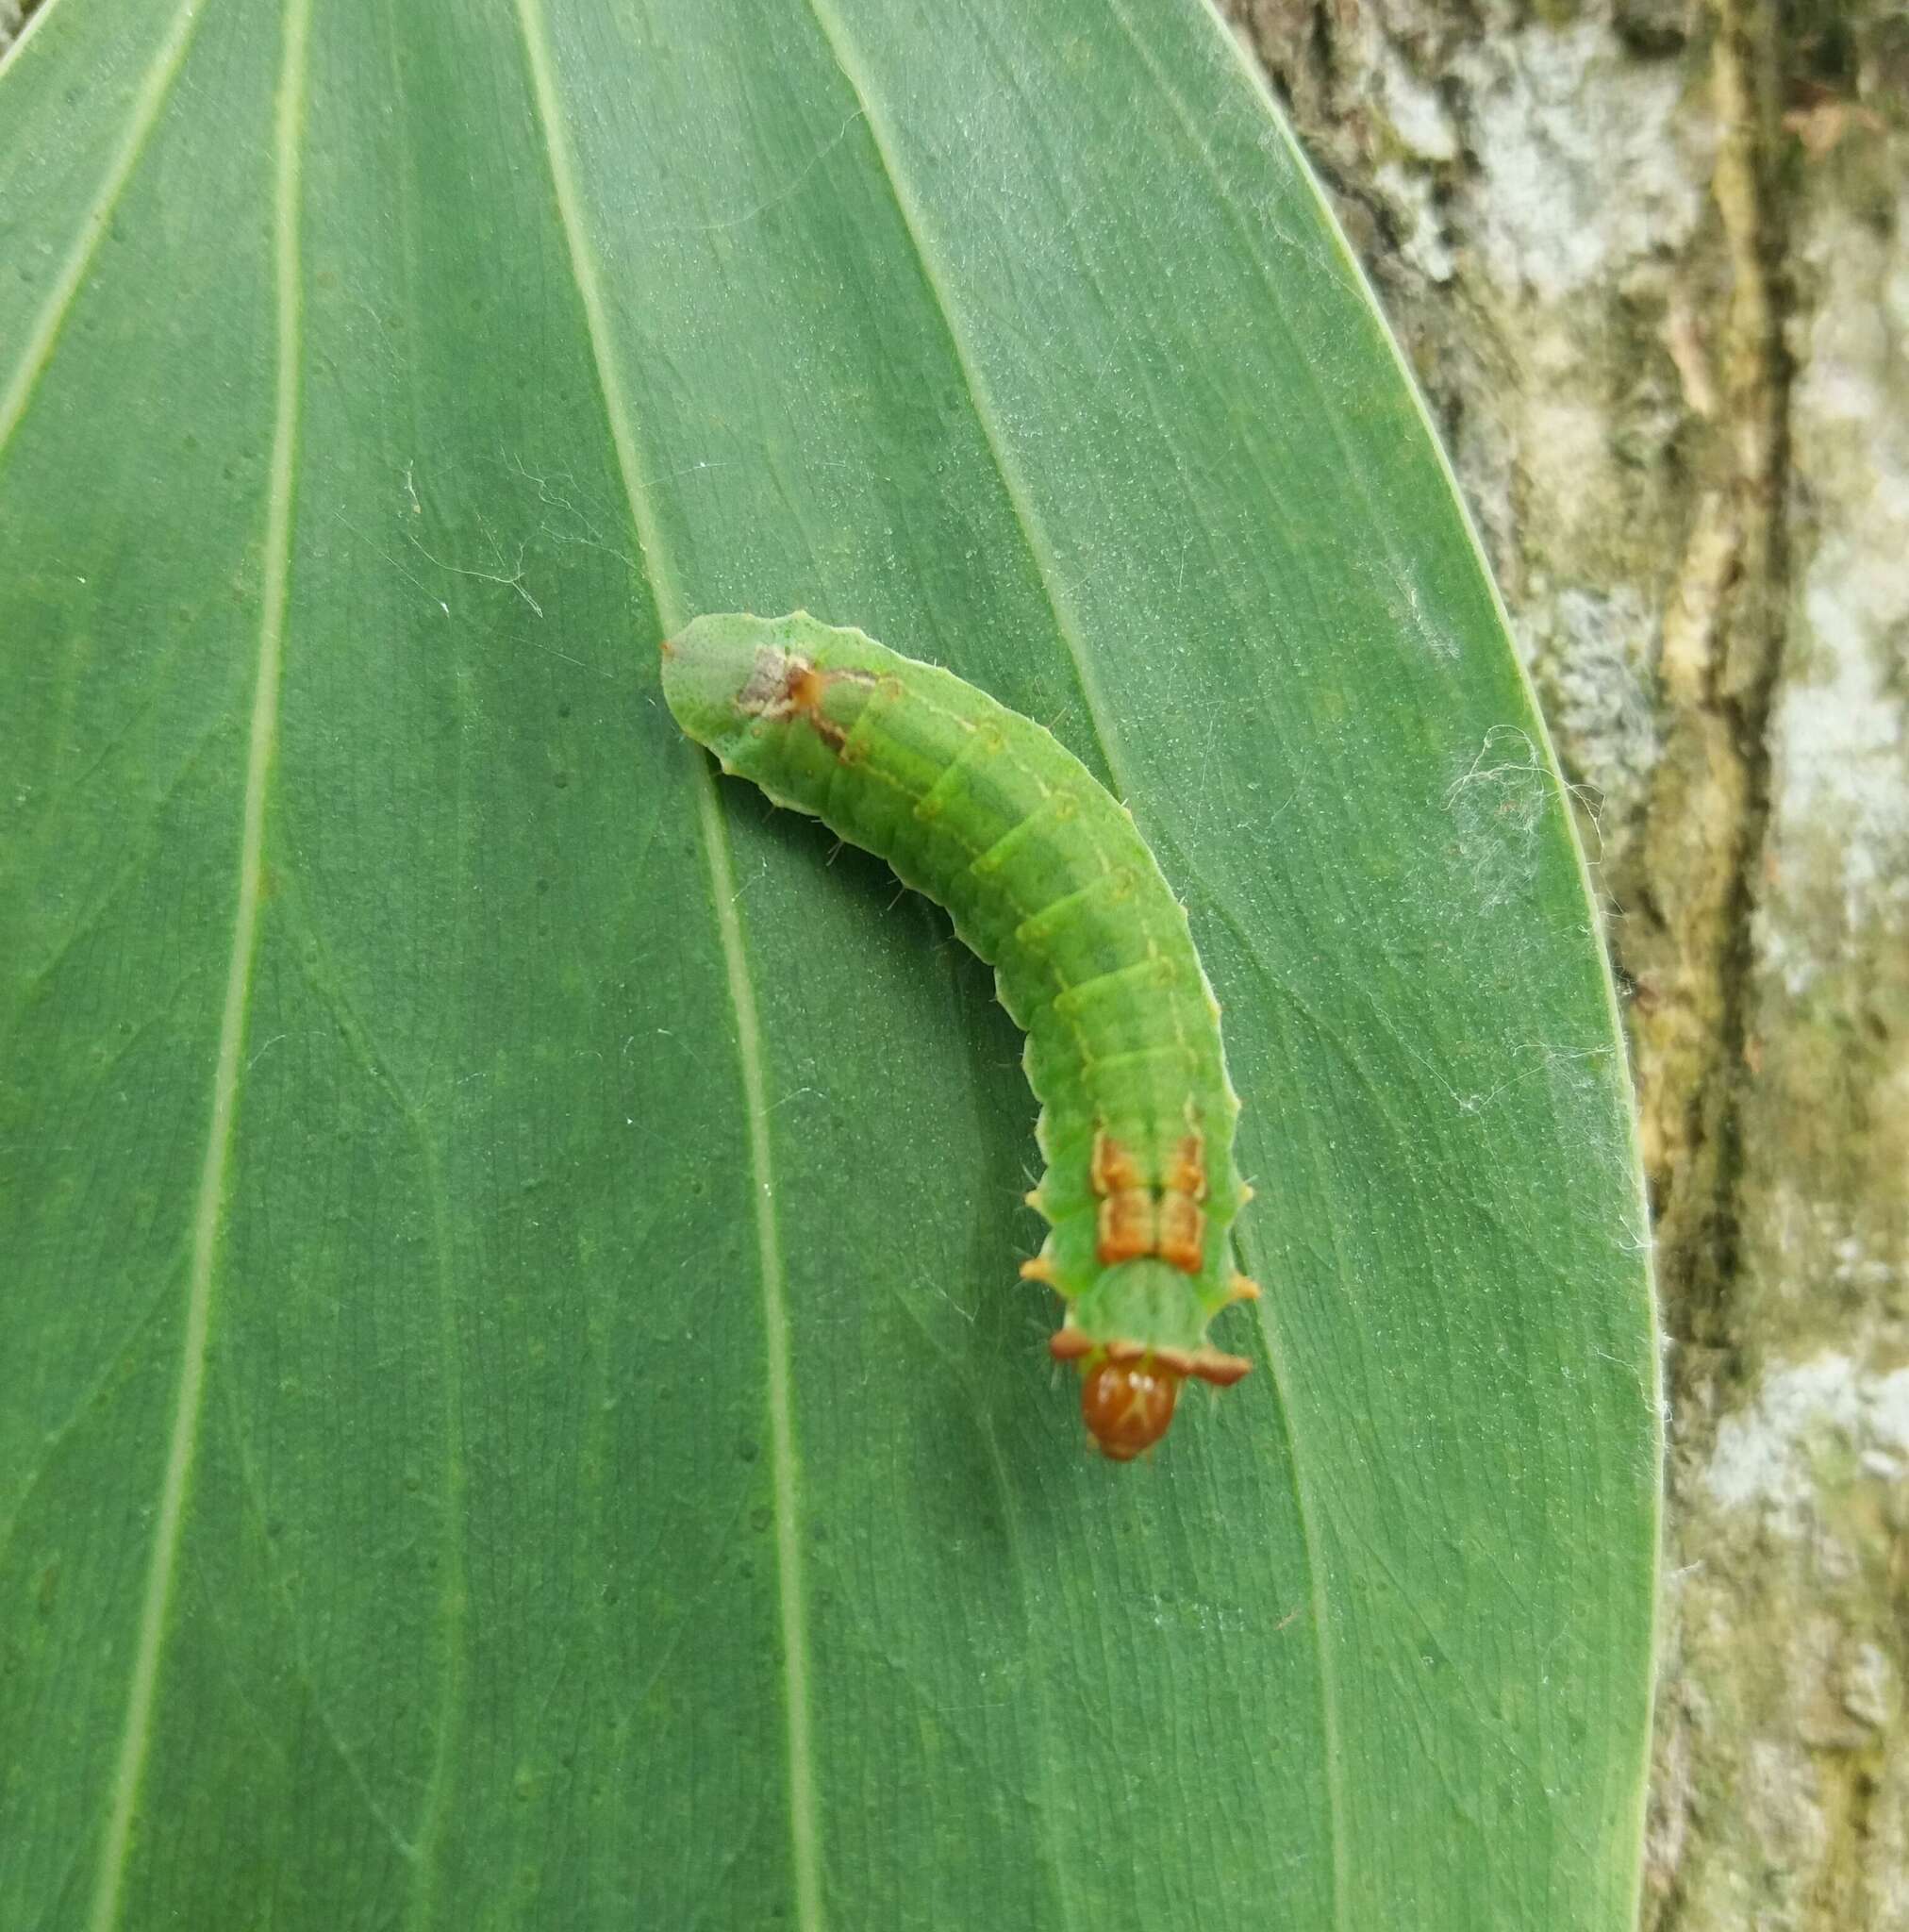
<point x="1651" y="263"/>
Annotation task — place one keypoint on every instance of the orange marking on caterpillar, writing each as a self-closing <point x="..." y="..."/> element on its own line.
<point x="1127" y="1226"/>
<point x="1182" y="1238"/>
<point x="1188" y="1173"/>
<point x="1244" y="1288"/>
<point x="807" y="687"/>
<point x="1132" y="1222"/>
<point x="785" y="684"/>
<point x="1038" y="1269"/>
<point x="1207" y="1364"/>
<point x="1112" y="1167"/>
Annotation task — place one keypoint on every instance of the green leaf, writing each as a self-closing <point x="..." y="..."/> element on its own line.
<point x="515" y="1407"/>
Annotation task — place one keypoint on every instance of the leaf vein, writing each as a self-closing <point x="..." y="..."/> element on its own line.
<point x="988" y="412"/>
<point x="189" y="1397"/>
<point x="151" y="96"/>
<point x="803" y="1824"/>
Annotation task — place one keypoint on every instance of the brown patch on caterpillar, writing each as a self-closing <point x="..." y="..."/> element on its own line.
<point x="1111" y="1168"/>
<point x="806" y="689"/>
<point x="1128" y="1227"/>
<point x="1133" y="1222"/>
<point x="785" y="684"/>
<point x="1205" y="1364"/>
<point x="1069" y="1344"/>
<point x="1182" y="1227"/>
<point x="767" y="691"/>
<point x="1182" y="1238"/>
<point x="1188" y="1173"/>
<point x="1124" y="1229"/>
<point x="1216" y="1366"/>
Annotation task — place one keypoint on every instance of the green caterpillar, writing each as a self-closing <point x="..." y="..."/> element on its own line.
<point x="1048" y="879"/>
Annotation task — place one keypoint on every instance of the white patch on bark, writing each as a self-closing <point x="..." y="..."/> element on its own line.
<point x="1578" y="149"/>
<point x="1414" y="108"/>
<point x="1842" y="735"/>
<point x="1422" y="241"/>
<point x="1768" y="1457"/>
<point x="1594" y="651"/>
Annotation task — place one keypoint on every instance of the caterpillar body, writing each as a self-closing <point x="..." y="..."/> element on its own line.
<point x="1048" y="879"/>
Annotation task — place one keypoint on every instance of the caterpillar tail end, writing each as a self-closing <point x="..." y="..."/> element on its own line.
<point x="1128" y="1393"/>
<point x="1127" y="1406"/>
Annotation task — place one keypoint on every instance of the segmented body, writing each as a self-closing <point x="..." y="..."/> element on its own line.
<point x="1046" y="877"/>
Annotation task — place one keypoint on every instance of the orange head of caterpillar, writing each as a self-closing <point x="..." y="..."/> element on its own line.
<point x="1127" y="1404"/>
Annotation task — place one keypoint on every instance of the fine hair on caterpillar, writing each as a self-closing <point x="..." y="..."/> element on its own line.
<point x="1047" y="878"/>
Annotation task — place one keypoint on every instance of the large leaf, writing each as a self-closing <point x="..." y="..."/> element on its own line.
<point x="515" y="1409"/>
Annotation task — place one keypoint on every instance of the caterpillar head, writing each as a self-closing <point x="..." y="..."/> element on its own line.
<point x="721" y="672"/>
